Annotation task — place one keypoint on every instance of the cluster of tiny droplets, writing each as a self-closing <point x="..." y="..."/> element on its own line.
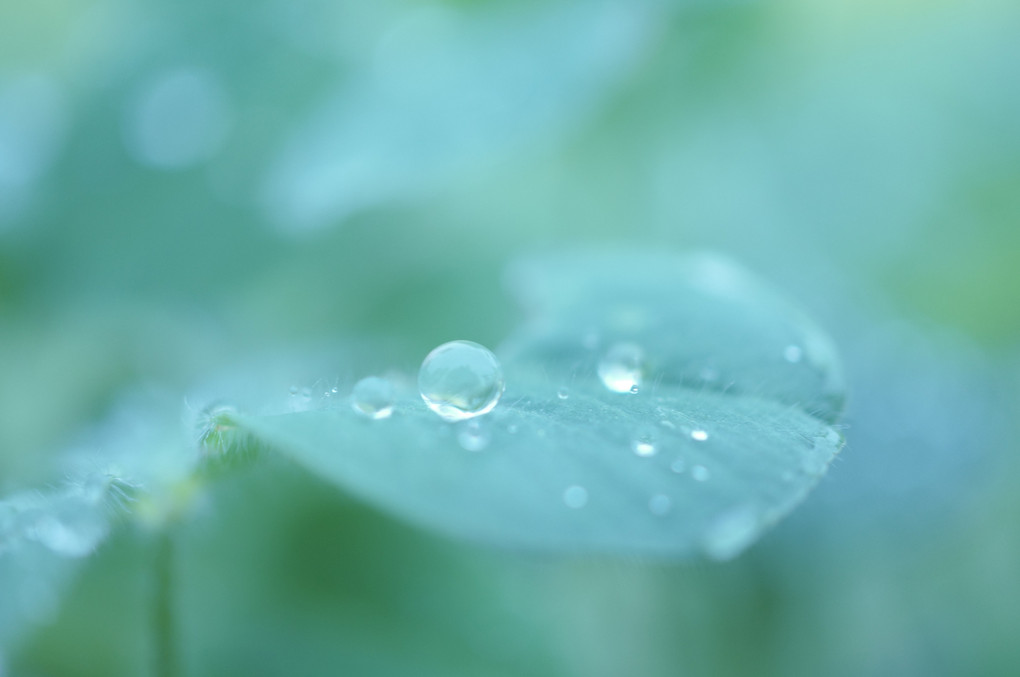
<point x="462" y="380"/>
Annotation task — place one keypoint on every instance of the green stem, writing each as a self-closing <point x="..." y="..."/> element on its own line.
<point x="164" y="628"/>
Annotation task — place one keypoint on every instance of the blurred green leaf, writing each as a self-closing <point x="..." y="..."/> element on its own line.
<point x="688" y="464"/>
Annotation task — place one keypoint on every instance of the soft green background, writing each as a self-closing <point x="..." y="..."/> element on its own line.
<point x="367" y="169"/>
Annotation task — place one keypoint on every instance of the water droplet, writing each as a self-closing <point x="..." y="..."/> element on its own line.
<point x="678" y="466"/>
<point x="373" y="397"/>
<point x="699" y="435"/>
<point x="700" y="473"/>
<point x="563" y="393"/>
<point x="306" y="394"/>
<point x="660" y="504"/>
<point x="730" y="533"/>
<point x="473" y="436"/>
<point x="461" y="380"/>
<point x="793" y="354"/>
<point x="644" y="443"/>
<point x="575" y="496"/>
<point x="634" y="390"/>
<point x="622" y="368"/>
<point x="293" y="390"/>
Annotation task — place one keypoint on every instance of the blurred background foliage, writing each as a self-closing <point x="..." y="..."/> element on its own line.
<point x="185" y="187"/>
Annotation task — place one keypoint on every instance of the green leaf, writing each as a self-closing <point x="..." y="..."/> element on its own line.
<point x="729" y="430"/>
<point x="42" y="537"/>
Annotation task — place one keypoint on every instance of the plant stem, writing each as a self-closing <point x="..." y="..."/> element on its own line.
<point x="164" y="629"/>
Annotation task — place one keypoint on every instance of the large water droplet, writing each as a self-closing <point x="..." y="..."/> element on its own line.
<point x="622" y="368"/>
<point x="373" y="397"/>
<point x="473" y="436"/>
<point x="575" y="496"/>
<point x="730" y="533"/>
<point x="461" y="380"/>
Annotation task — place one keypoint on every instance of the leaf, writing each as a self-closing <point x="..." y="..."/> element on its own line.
<point x="43" y="535"/>
<point x="688" y="464"/>
<point x="136" y="463"/>
<point x="464" y="77"/>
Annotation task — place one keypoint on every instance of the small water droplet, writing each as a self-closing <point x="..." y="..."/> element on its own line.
<point x="563" y="393"/>
<point x="461" y="380"/>
<point x="730" y="533"/>
<point x="699" y="435"/>
<point x="678" y="466"/>
<point x="575" y="496"/>
<point x="373" y="397"/>
<point x="644" y="443"/>
<point x="700" y="473"/>
<point x="622" y="368"/>
<point x="793" y="354"/>
<point x="660" y="504"/>
<point x="473" y="436"/>
<point x="293" y="390"/>
<point x="634" y="390"/>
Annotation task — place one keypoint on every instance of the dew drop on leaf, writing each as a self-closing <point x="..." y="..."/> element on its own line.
<point x="644" y="443"/>
<point x="461" y="380"/>
<point x="622" y="368"/>
<point x="373" y="397"/>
